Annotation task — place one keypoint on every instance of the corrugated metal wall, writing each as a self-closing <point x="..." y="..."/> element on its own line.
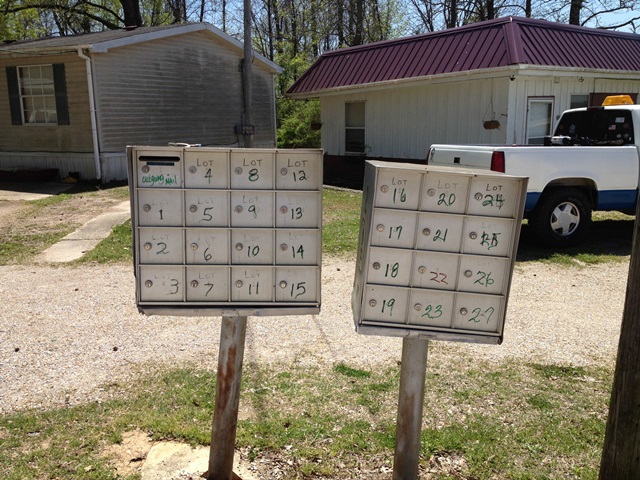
<point x="402" y="122"/>
<point x="179" y="89"/>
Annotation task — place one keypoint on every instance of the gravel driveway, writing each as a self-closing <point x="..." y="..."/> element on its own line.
<point x="66" y="332"/>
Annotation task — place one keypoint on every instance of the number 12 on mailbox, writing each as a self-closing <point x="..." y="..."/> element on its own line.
<point x="436" y="251"/>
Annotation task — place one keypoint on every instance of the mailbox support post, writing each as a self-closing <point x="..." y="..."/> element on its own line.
<point x="413" y="373"/>
<point x="225" y="417"/>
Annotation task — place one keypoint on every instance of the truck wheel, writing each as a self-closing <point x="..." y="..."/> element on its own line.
<point x="562" y="217"/>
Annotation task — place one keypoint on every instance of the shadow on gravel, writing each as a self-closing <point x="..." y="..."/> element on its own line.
<point x="606" y="237"/>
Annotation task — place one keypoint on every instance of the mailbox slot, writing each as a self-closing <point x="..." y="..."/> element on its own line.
<point x="298" y="247"/>
<point x="445" y="193"/>
<point x="161" y="283"/>
<point x="298" y="210"/>
<point x="157" y="169"/>
<point x="389" y="266"/>
<point x="297" y="284"/>
<point x="252" y="169"/>
<point x="431" y="308"/>
<point x="207" y="284"/>
<point x="298" y="171"/>
<point x="479" y="312"/>
<point x="252" y="246"/>
<point x="251" y="209"/>
<point x="158" y="208"/>
<point x="398" y="189"/>
<point x="161" y="246"/>
<point x="439" y="232"/>
<point x="386" y="304"/>
<point x="252" y="284"/>
<point x="393" y="228"/>
<point x="206" y="208"/>
<point x="206" y="169"/>
<point x="207" y="246"/>
<point x="488" y="236"/>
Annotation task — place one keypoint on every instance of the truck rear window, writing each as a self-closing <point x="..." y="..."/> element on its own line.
<point x="597" y="127"/>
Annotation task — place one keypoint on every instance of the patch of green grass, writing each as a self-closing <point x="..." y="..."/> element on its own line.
<point x="115" y="248"/>
<point x="341" y="221"/>
<point x="514" y="422"/>
<point x="19" y="247"/>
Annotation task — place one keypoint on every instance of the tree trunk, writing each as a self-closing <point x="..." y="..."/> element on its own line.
<point x="574" y="12"/>
<point x="131" y="10"/>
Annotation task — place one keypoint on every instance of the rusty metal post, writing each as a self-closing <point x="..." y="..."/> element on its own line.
<point x="413" y="372"/>
<point x="225" y="416"/>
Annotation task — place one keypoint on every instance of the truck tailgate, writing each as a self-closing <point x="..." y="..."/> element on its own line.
<point x="475" y="156"/>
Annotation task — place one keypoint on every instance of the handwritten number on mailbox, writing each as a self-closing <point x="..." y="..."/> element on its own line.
<point x="253" y="175"/>
<point x="440" y="235"/>
<point x="208" y="175"/>
<point x="397" y="229"/>
<point x="477" y="312"/>
<point x="299" y="251"/>
<point x="402" y="197"/>
<point x="439" y="277"/>
<point x="206" y="216"/>
<point x="301" y="176"/>
<point x="210" y="285"/>
<point x="298" y="289"/>
<point x="445" y="200"/>
<point x="207" y="255"/>
<point x="252" y="209"/>
<point x="432" y="313"/>
<point x="253" y="251"/>
<point x="484" y="279"/>
<point x="257" y="289"/>
<point x="296" y="213"/>
<point x="161" y="215"/>
<point x="163" y="249"/>
<point x="174" y="286"/>
<point x="393" y="271"/>
<point x="388" y="304"/>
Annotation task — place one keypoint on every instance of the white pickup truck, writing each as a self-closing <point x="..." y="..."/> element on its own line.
<point x="591" y="163"/>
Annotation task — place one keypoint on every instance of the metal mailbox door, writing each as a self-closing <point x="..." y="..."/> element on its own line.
<point x="298" y="209"/>
<point x="478" y="312"/>
<point x="161" y="284"/>
<point x="439" y="232"/>
<point x="488" y="236"/>
<point x="159" y="169"/>
<point x="493" y="197"/>
<point x="252" y="169"/>
<point x="206" y="208"/>
<point x="435" y="270"/>
<point x="298" y="171"/>
<point x="206" y="169"/>
<point x="393" y="228"/>
<point x="208" y="284"/>
<point x="398" y="189"/>
<point x="161" y="246"/>
<point x="388" y="266"/>
<point x="386" y="304"/>
<point x="297" y="284"/>
<point x="444" y="193"/>
<point x="431" y="308"/>
<point x="251" y="209"/>
<point x="252" y="246"/>
<point x="207" y="246"/>
<point x="252" y="284"/>
<point x="158" y="208"/>
<point x="298" y="247"/>
<point x="483" y="274"/>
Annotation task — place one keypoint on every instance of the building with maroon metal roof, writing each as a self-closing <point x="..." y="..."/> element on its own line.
<point x="501" y="81"/>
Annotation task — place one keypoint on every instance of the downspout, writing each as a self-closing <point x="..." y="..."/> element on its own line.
<point x="92" y="108"/>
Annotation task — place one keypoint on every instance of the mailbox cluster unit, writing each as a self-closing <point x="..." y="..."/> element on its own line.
<point x="436" y="251"/>
<point x="226" y="231"/>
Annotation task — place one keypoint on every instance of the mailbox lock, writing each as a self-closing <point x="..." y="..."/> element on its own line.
<point x="194" y="283"/>
<point x="146" y="208"/>
<point x="193" y="208"/>
<point x="463" y="311"/>
<point x="422" y="269"/>
<point x="239" y="246"/>
<point x="194" y="246"/>
<point x="238" y="209"/>
<point x="283" y="209"/>
<point x="283" y="171"/>
<point x="148" y="284"/>
<point x="384" y="188"/>
<point x="468" y="273"/>
<point x="380" y="228"/>
<point x="431" y="192"/>
<point x="426" y="232"/>
<point x="372" y="303"/>
<point x="478" y="196"/>
<point x="192" y="169"/>
<point x="283" y="284"/>
<point x="376" y="265"/>
<point x="238" y="170"/>
<point x="417" y="307"/>
<point x="473" y="235"/>
<point x="239" y="284"/>
<point x="145" y="169"/>
<point x="147" y="246"/>
<point x="284" y="247"/>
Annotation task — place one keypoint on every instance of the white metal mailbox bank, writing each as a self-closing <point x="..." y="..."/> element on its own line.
<point x="226" y="231"/>
<point x="436" y="251"/>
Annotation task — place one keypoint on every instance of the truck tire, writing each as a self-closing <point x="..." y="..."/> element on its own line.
<point x="562" y="217"/>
